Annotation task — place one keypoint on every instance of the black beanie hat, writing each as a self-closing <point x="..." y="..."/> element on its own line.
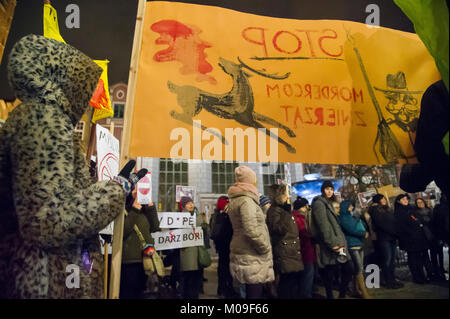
<point x="300" y="202"/>
<point x="325" y="185"/>
<point x="377" y="198"/>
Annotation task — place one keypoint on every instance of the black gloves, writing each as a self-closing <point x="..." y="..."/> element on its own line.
<point x="127" y="180"/>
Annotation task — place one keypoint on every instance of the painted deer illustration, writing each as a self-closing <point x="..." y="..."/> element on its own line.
<point x="237" y="104"/>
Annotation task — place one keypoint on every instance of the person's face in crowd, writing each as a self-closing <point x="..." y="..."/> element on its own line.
<point x="404" y="201"/>
<point x="329" y="191"/>
<point x="304" y="209"/>
<point x="383" y="201"/>
<point x="336" y="207"/>
<point x="351" y="208"/>
<point x="420" y="203"/>
<point x="189" y="206"/>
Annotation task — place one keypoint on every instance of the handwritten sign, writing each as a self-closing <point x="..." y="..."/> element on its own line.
<point x="245" y="87"/>
<point x="182" y="191"/>
<point x="176" y="220"/>
<point x="107" y="154"/>
<point x="108" y="161"/>
<point x="366" y="198"/>
<point x="178" y="238"/>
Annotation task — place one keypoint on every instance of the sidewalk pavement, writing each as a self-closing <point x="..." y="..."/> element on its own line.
<point x="411" y="290"/>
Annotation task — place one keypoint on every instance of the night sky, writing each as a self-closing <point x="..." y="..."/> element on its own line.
<point x="107" y="26"/>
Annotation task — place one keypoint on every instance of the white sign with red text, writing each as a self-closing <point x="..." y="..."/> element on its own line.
<point x="144" y="189"/>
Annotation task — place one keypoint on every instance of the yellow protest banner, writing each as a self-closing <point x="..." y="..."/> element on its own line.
<point x="51" y="27"/>
<point x="330" y="91"/>
<point x="101" y="99"/>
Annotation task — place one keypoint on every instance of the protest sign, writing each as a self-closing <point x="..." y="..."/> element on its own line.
<point x="313" y="82"/>
<point x="176" y="220"/>
<point x="366" y="198"/>
<point x="107" y="154"/>
<point x="185" y="191"/>
<point x="108" y="161"/>
<point x="144" y="189"/>
<point x="178" y="238"/>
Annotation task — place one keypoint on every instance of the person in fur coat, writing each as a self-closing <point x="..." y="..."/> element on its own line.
<point x="51" y="210"/>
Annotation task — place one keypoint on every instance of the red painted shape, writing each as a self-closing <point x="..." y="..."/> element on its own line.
<point x="185" y="46"/>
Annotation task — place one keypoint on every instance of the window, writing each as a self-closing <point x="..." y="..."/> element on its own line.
<point x="222" y="176"/>
<point x="271" y="174"/>
<point x="79" y="129"/>
<point x="171" y="174"/>
<point x="118" y="110"/>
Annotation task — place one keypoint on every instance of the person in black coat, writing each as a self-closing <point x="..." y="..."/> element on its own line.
<point x="384" y="225"/>
<point x="412" y="238"/>
<point x="425" y="215"/>
<point x="221" y="234"/>
<point x="440" y="228"/>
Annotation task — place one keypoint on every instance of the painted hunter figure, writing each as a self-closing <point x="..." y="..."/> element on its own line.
<point x="401" y="103"/>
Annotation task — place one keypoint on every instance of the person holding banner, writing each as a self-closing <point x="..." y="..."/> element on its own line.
<point x="133" y="279"/>
<point x="186" y="260"/>
<point x="51" y="211"/>
<point x="251" y="261"/>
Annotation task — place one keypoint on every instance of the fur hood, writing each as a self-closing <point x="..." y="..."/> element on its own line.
<point x="49" y="72"/>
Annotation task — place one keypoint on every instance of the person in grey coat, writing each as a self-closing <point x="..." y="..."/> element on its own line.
<point x="330" y="241"/>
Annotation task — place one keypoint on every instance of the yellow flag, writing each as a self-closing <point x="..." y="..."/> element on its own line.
<point x="303" y="91"/>
<point x="101" y="99"/>
<point x="51" y="28"/>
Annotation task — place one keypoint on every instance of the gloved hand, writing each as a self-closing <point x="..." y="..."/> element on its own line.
<point x="148" y="250"/>
<point x="127" y="180"/>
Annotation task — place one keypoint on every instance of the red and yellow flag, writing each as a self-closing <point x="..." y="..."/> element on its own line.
<point x="101" y="100"/>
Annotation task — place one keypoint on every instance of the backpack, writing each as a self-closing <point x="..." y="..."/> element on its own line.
<point x="221" y="228"/>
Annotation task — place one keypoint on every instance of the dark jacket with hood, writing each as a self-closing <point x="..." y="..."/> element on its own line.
<point x="409" y="229"/>
<point x="284" y="237"/>
<point x="383" y="220"/>
<point x="327" y="232"/>
<point x="146" y="219"/>
<point x="53" y="210"/>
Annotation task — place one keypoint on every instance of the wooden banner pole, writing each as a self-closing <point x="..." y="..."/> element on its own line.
<point x="116" y="260"/>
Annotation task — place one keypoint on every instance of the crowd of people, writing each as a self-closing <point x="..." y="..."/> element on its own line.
<point x="276" y="249"/>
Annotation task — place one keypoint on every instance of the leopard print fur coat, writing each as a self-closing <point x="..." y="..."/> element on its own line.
<point x="51" y="211"/>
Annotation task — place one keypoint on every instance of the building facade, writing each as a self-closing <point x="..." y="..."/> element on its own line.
<point x="211" y="179"/>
